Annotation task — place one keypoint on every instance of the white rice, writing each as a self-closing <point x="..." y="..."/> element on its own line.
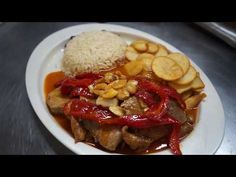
<point x="92" y="51"/>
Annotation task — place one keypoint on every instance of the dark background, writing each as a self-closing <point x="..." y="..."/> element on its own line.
<point x="21" y="132"/>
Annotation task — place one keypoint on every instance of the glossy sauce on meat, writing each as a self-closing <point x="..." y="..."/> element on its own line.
<point x="50" y="81"/>
<point x="156" y="146"/>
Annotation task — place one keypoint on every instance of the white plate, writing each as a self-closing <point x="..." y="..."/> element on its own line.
<point x="206" y="137"/>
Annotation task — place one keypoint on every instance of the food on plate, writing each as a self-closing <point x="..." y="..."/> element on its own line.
<point x="152" y="48"/>
<point x="181" y="60"/>
<point x="92" y="51"/>
<point x="140" y="46"/>
<point x="134" y="67"/>
<point x="193" y="101"/>
<point x="162" y="51"/>
<point x="131" y="55"/>
<point x="131" y="99"/>
<point x="186" y="94"/>
<point x="196" y="84"/>
<point x="187" y="77"/>
<point x="166" y="68"/>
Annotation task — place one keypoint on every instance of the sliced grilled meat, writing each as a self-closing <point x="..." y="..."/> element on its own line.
<point x="78" y="130"/>
<point x="108" y="136"/>
<point x="175" y="111"/>
<point x="56" y="101"/>
<point x="134" y="141"/>
<point x="132" y="106"/>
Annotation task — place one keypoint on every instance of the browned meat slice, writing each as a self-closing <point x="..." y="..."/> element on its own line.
<point x="132" y="106"/>
<point x="92" y="127"/>
<point x="108" y="136"/>
<point x="56" y="101"/>
<point x="175" y="111"/>
<point x="154" y="133"/>
<point x="135" y="142"/>
<point x="78" y="131"/>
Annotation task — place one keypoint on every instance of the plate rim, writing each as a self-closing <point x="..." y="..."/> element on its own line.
<point x="115" y="28"/>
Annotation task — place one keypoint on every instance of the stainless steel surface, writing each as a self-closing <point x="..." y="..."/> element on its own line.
<point x="21" y="132"/>
<point x="222" y="30"/>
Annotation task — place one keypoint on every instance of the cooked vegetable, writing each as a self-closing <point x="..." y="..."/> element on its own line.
<point x="123" y="94"/>
<point x="118" y="83"/>
<point x="131" y="49"/>
<point x="145" y="55"/>
<point x="109" y="93"/>
<point x="131" y="86"/>
<point x="117" y="110"/>
<point x="98" y="92"/>
<point x="166" y="68"/>
<point x="134" y="67"/>
<point x="193" y="101"/>
<point x="198" y="90"/>
<point x="140" y="46"/>
<point x="161" y="51"/>
<point x="174" y="140"/>
<point x="149" y="97"/>
<point x="75" y="87"/>
<point x="110" y="77"/>
<point x="186" y="94"/>
<point x="195" y="84"/>
<point x="161" y="90"/>
<point x="146" y="97"/>
<point x="100" y="86"/>
<point x="106" y="102"/>
<point x="152" y="48"/>
<point x="147" y="64"/>
<point x="130" y="55"/>
<point x="187" y="77"/>
<point x="181" y="60"/>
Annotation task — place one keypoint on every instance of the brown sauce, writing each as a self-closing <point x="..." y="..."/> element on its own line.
<point x="157" y="146"/>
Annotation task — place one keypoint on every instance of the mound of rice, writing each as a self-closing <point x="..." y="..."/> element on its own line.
<point x="92" y="51"/>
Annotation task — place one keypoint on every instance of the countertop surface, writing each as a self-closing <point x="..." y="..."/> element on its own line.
<point x="21" y="132"/>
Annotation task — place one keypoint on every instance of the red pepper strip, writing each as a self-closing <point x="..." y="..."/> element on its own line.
<point x="69" y="84"/>
<point x="161" y="90"/>
<point x="86" y="110"/>
<point x="139" y="121"/>
<point x="90" y="111"/>
<point x="92" y="76"/>
<point x="174" y="140"/>
<point x="82" y="91"/>
<point x="158" y="110"/>
<point x="146" y="97"/>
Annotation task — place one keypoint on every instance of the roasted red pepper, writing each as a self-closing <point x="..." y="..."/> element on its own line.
<point x="146" y="97"/>
<point x="82" y="91"/>
<point x="161" y="90"/>
<point x="148" y="92"/>
<point x="90" y="76"/>
<point x="90" y="111"/>
<point x="174" y="140"/>
<point x="86" y="110"/>
<point x="156" y="111"/>
<point x="78" y="86"/>
<point x="69" y="84"/>
<point x="139" y="121"/>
